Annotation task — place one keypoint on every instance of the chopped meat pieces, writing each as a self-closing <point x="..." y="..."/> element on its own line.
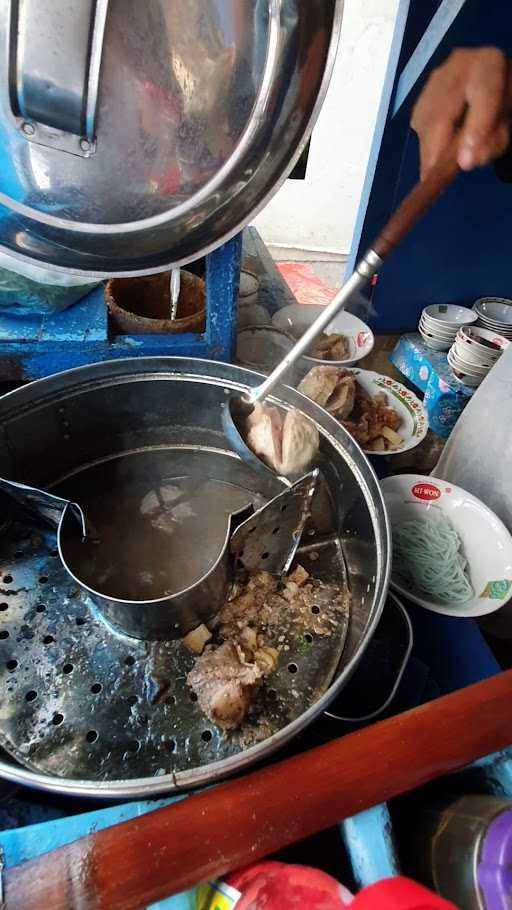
<point x="331" y="347"/>
<point x="268" y="605"/>
<point x="250" y="633"/>
<point x="320" y="383"/>
<point x="266" y="659"/>
<point x="341" y="403"/>
<point x="197" y="639"/>
<point x="299" y="575"/>
<point x="390" y="418"/>
<point x="369" y="419"/>
<point x="223" y="682"/>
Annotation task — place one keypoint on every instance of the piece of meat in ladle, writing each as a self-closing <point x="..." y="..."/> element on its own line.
<point x="264" y="429"/>
<point x="300" y="444"/>
<point x="287" y="443"/>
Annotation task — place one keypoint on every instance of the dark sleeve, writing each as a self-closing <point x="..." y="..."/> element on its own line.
<point x="503" y="166"/>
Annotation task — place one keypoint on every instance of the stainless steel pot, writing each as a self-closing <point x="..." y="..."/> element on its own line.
<point x="138" y="135"/>
<point x="54" y="427"/>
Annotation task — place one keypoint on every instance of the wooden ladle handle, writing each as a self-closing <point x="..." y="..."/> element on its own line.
<point x="417" y="203"/>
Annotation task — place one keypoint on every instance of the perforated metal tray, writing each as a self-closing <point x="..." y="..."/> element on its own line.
<point x="53" y="428"/>
<point x="80" y="700"/>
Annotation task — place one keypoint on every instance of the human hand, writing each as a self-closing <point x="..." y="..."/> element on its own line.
<point x="471" y="91"/>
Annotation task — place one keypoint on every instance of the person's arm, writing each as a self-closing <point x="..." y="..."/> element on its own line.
<point x="471" y="91"/>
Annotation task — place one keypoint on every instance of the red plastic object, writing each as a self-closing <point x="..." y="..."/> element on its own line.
<point x="399" y="894"/>
<point x="304" y="284"/>
<point x="278" y="886"/>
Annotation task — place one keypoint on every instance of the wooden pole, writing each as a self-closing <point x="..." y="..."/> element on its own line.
<point x="144" y="860"/>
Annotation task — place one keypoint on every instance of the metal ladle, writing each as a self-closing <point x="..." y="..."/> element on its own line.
<point x="415" y="205"/>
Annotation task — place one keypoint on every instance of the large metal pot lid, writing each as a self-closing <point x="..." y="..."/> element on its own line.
<point x="135" y="136"/>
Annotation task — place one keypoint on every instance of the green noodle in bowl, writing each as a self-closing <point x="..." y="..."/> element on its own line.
<point x="428" y="556"/>
<point x="451" y="553"/>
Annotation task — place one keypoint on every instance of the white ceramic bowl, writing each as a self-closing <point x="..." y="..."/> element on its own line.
<point x="478" y="338"/>
<point x="472" y="369"/>
<point x="495" y="327"/>
<point x="434" y="344"/>
<point x="470" y="355"/>
<point x="497" y="309"/>
<point x="462" y="375"/>
<point x="450" y="314"/>
<point x="437" y="325"/>
<point x="476" y="369"/>
<point x="465" y="380"/>
<point x="436" y="333"/>
<point x="493" y="322"/>
<point x="486" y="543"/>
<point x="297" y="317"/>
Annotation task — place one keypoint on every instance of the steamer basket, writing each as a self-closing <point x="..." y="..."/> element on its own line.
<point x="53" y="429"/>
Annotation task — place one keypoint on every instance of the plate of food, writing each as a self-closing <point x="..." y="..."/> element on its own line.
<point x="381" y="414"/>
<point x="451" y="554"/>
<point x="346" y="339"/>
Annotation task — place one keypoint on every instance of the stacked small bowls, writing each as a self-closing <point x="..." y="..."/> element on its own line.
<point x="474" y="353"/>
<point x="440" y="323"/>
<point x="495" y="314"/>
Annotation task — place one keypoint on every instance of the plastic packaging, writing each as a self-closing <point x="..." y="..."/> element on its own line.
<point x="26" y="289"/>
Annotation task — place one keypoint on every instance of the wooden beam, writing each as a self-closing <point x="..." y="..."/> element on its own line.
<point x="170" y="850"/>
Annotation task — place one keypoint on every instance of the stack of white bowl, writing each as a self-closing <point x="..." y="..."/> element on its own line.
<point x="495" y="314"/>
<point x="474" y="353"/>
<point x="440" y="323"/>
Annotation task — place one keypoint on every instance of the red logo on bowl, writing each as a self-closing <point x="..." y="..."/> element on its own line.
<point x="426" y="491"/>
